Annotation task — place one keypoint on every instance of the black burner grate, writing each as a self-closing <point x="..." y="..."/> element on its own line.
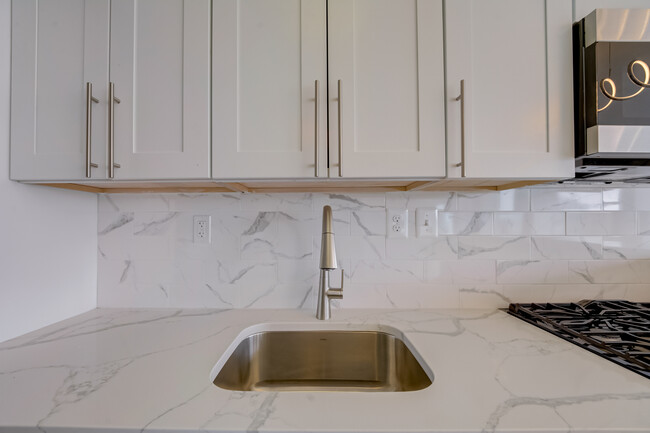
<point x="616" y="330"/>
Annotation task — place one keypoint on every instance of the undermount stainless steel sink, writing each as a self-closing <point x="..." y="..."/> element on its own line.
<point x="322" y="360"/>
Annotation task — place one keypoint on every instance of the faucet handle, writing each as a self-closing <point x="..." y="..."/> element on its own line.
<point x="336" y="293"/>
<point x="342" y="277"/>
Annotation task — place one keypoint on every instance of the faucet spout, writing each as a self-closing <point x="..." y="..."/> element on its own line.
<point x="328" y="263"/>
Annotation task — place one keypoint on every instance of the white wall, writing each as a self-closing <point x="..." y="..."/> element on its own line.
<point x="48" y="237"/>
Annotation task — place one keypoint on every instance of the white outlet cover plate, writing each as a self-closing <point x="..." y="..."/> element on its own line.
<point x="201" y="229"/>
<point x="397" y="223"/>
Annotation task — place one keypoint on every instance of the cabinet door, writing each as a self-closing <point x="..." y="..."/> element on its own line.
<point x="515" y="59"/>
<point x="388" y="57"/>
<point x="57" y="47"/>
<point x="582" y="8"/>
<point x="160" y="67"/>
<point x="267" y="57"/>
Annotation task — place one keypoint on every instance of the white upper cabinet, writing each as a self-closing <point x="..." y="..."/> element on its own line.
<point x="515" y="117"/>
<point x="582" y="8"/>
<point x="293" y="89"/>
<point x="57" y="47"/>
<point x="386" y="60"/>
<point x="160" y="68"/>
<point x="159" y="54"/>
<point x="268" y="119"/>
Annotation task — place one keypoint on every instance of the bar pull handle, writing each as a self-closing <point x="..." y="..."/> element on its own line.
<point x="89" y="126"/>
<point x="112" y="99"/>
<point x="461" y="98"/>
<point x="316" y="159"/>
<point x="339" y="123"/>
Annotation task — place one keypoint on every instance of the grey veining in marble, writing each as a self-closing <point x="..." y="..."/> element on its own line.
<point x="264" y="248"/>
<point x="148" y="371"/>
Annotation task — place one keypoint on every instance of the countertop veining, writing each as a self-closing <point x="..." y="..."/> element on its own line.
<point x="148" y="370"/>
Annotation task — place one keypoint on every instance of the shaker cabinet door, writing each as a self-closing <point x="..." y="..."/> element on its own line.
<point x="515" y="118"/>
<point x="160" y="70"/>
<point x="269" y="115"/>
<point x="386" y="88"/>
<point x="58" y="46"/>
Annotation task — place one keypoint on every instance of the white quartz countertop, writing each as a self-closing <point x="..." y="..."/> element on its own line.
<point x="149" y="370"/>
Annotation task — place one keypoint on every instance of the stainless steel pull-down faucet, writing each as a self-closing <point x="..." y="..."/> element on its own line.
<point x="327" y="263"/>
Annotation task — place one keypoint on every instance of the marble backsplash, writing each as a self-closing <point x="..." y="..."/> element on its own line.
<point x="534" y="244"/>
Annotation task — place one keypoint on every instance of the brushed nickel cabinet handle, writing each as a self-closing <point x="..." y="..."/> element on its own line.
<point x="111" y="128"/>
<point x="89" y="126"/>
<point x="316" y="161"/>
<point x="461" y="98"/>
<point x="339" y="123"/>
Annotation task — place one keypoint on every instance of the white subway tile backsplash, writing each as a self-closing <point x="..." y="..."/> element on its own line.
<point x="636" y="292"/>
<point x="532" y="271"/>
<point x="278" y="202"/>
<point x="116" y="272"/>
<point x="642" y="198"/>
<point x="460" y="272"/>
<point x="203" y="202"/>
<point x="370" y="223"/>
<point x="292" y="246"/>
<point x="279" y="296"/>
<point x="643" y="223"/>
<point x="609" y="271"/>
<point x="152" y="247"/>
<point x="359" y="247"/>
<point x="133" y="202"/>
<point x="549" y="199"/>
<point x="626" y="247"/>
<point x="601" y="223"/>
<point x="492" y="249"/>
<point x="142" y="296"/>
<point x="211" y="296"/>
<point x="108" y="222"/>
<point x="465" y="223"/>
<point x="436" y="248"/>
<point x="441" y="200"/>
<point x="386" y="271"/>
<point x="367" y="201"/>
<point x="566" y="247"/>
<point x="301" y="270"/>
<point x="619" y="199"/>
<point x="241" y="273"/>
<point x="525" y="292"/>
<point x="365" y="296"/>
<point x="202" y="296"/>
<point x="573" y="292"/>
<point x="115" y="235"/>
<point x="421" y="296"/>
<point x="165" y="272"/>
<point x="510" y="200"/>
<point x="529" y="223"/>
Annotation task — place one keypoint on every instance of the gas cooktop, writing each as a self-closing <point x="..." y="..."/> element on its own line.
<point x="616" y="330"/>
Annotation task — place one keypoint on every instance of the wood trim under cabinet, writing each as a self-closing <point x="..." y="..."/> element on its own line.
<point x="264" y="187"/>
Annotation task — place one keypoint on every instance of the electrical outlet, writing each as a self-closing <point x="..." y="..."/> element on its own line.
<point x="397" y="223"/>
<point x="426" y="222"/>
<point x="202" y="229"/>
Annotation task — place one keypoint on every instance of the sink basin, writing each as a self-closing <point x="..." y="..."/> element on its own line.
<point x="322" y="360"/>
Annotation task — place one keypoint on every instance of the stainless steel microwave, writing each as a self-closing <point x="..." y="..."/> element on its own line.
<point x="612" y="95"/>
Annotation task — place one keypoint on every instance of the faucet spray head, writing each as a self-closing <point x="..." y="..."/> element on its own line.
<point x="327" y="248"/>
